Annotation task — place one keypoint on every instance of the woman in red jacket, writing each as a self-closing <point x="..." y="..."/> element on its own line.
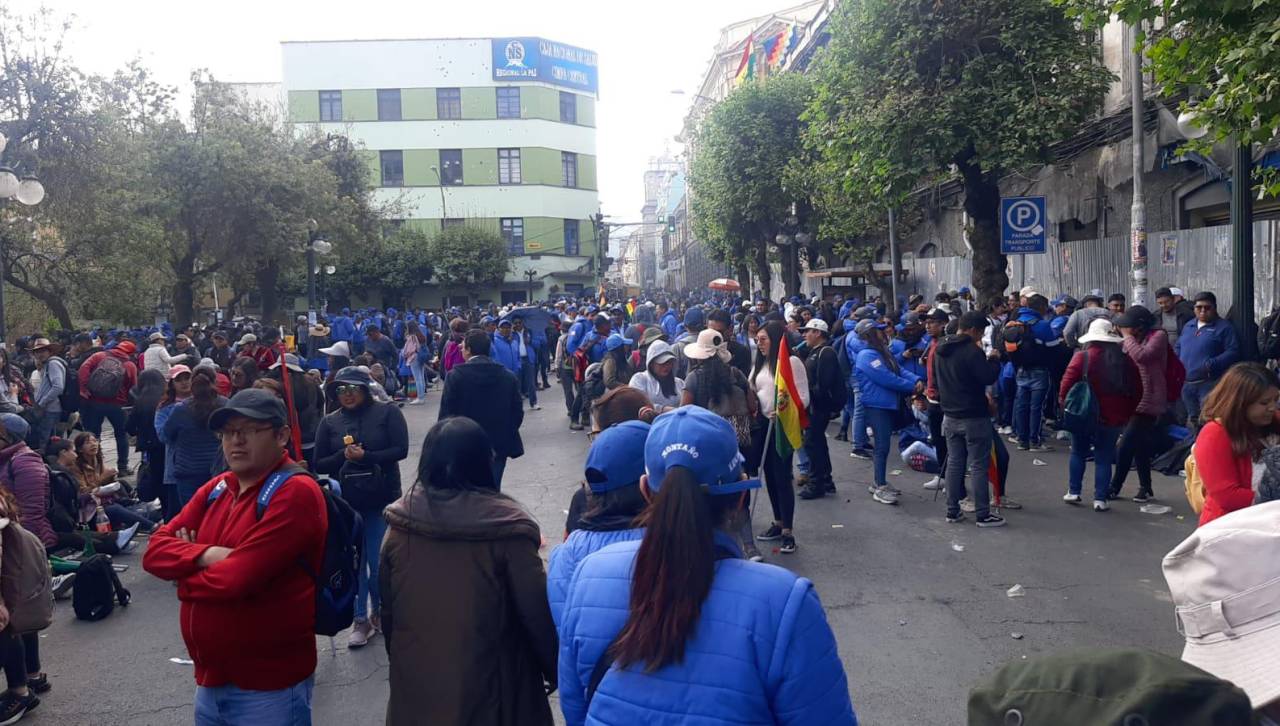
<point x="1238" y="416"/>
<point x="1112" y="377"/>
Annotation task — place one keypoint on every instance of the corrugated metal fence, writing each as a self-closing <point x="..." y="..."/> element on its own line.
<point x="1192" y="259"/>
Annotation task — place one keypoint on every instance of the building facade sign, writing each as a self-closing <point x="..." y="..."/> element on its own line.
<point x="536" y="59"/>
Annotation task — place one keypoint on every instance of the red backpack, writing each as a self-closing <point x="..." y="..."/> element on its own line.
<point x="1175" y="374"/>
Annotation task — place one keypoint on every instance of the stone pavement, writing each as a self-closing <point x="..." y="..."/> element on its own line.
<point x="919" y="607"/>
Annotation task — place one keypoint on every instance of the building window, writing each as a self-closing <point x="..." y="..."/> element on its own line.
<point x="513" y="297"/>
<point x="568" y="108"/>
<point x="388" y="104"/>
<point x="448" y="222"/>
<point x="513" y="233"/>
<point x="568" y="169"/>
<point x="392" y="163"/>
<point x="571" y="236"/>
<point x="449" y="103"/>
<point x="331" y="105"/>
<point x="508" y="166"/>
<point x="508" y="103"/>
<point x="451" y="167"/>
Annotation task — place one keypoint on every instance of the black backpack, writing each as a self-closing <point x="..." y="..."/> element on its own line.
<point x="69" y="399"/>
<point x="1269" y="335"/>
<point x="336" y="582"/>
<point x="97" y="589"/>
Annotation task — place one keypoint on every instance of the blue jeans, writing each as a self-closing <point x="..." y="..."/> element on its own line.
<point x="419" y="378"/>
<point x="802" y="461"/>
<point x="881" y="422"/>
<point x="1103" y="440"/>
<point x="233" y="706"/>
<point x="1028" y="404"/>
<point x="375" y="528"/>
<point x="1193" y="395"/>
<point x="846" y="414"/>
<point x="43" y="429"/>
<point x="527" y="386"/>
<point x="859" y="435"/>
<point x="122" y="517"/>
<point x="92" y="414"/>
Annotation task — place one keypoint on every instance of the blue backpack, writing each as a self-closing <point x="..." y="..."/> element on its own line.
<point x="336" y="583"/>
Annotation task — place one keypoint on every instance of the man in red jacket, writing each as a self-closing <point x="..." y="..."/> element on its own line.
<point x="97" y="407"/>
<point x="248" y="602"/>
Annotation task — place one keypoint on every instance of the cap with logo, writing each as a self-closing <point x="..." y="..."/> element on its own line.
<point x="700" y="441"/>
<point x="616" y="457"/>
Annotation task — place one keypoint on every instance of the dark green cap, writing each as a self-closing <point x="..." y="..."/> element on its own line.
<point x="1099" y="687"/>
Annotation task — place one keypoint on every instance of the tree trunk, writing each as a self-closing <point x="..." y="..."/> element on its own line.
<point x="268" y="277"/>
<point x="763" y="273"/>
<point x="52" y="300"/>
<point x="744" y="278"/>
<point x="982" y="203"/>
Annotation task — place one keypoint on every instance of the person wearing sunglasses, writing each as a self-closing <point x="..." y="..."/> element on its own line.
<point x="1207" y="347"/>
<point x="361" y="445"/>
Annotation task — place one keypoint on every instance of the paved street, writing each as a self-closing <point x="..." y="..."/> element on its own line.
<point x="919" y="607"/>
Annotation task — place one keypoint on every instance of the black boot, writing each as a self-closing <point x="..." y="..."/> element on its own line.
<point x="812" y="490"/>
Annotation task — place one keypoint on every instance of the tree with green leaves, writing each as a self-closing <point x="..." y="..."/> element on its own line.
<point x="910" y="90"/>
<point x="1226" y="52"/>
<point x="469" y="256"/>
<point x="742" y="150"/>
<point x="400" y="264"/>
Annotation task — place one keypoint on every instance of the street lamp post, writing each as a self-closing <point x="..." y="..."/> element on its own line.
<point x="324" y="289"/>
<point x="26" y="190"/>
<point x="444" y="210"/>
<point x="316" y="245"/>
<point x="1138" y="210"/>
<point x="530" y="274"/>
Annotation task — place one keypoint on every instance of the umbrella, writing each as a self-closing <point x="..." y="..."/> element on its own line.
<point x="724" y="283"/>
<point x="535" y="318"/>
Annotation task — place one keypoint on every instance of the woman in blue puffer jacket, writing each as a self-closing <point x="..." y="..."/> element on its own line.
<point x="615" y="464"/>
<point x="185" y="431"/>
<point x="677" y="628"/>
<point x="881" y="384"/>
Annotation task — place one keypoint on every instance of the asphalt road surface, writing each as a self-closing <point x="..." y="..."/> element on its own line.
<point x="919" y="607"/>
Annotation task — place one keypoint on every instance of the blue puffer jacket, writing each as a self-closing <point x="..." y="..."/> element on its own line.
<point x="853" y="345"/>
<point x="566" y="558"/>
<point x="195" y="448"/>
<point x="878" y="385"/>
<point x="761" y="653"/>
<point x="507" y="352"/>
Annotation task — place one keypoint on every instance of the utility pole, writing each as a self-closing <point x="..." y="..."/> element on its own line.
<point x="1138" y="212"/>
<point x="1242" y="313"/>
<point x="894" y="259"/>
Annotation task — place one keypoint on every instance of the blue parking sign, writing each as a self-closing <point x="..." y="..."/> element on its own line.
<point x="1022" y="225"/>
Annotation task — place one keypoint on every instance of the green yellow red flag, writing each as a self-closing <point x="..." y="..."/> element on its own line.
<point x="792" y="419"/>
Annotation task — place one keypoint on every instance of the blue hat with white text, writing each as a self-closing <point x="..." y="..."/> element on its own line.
<point x="700" y="441"/>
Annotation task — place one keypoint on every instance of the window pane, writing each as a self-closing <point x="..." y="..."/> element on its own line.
<point x="389" y="104"/>
<point x="568" y="169"/>
<point x="331" y="105"/>
<point x="451" y="166"/>
<point x="508" y="166"/>
<point x="571" y="236"/>
<point x="513" y="233"/>
<point x="449" y="103"/>
<point x="508" y="103"/>
<point x="568" y="108"/>
<point x="392" y="168"/>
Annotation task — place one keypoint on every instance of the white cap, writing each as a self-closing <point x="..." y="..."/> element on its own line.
<point x="1177" y="292"/>
<point x="817" y="324"/>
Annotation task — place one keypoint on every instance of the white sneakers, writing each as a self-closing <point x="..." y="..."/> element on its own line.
<point x="1100" y="505"/>
<point x="1070" y="498"/>
<point x="933" y="484"/>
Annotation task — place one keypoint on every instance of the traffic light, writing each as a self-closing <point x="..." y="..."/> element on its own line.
<point x="671" y="224"/>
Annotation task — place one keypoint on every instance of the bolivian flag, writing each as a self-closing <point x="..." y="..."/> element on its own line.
<point x="792" y="419"/>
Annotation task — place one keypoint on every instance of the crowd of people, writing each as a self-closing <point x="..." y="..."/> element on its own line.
<point x="658" y="595"/>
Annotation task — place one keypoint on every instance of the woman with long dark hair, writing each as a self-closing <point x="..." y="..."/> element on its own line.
<point x="1148" y="347"/>
<point x="660" y="630"/>
<point x="616" y="366"/>
<point x="882" y="384"/>
<point x="15" y="392"/>
<point x="468" y="632"/>
<point x="147" y="395"/>
<point x="452" y="355"/>
<point x="243" y="372"/>
<point x="99" y="487"/>
<point x="1240" y="420"/>
<point x="776" y="468"/>
<point x="186" y="433"/>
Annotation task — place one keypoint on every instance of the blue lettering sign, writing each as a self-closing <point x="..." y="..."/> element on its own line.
<point x="536" y="59"/>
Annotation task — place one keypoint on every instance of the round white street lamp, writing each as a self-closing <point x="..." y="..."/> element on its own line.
<point x="8" y="183"/>
<point x="1190" y="124"/>
<point x="30" y="191"/>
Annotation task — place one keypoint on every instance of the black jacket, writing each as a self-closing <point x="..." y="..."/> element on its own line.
<point x="822" y="368"/>
<point x="962" y="373"/>
<point x="739" y="356"/>
<point x="381" y="429"/>
<point x="486" y="392"/>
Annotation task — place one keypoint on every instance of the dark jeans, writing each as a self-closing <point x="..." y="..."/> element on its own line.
<point x="1028" y="406"/>
<point x="93" y="414"/>
<point x="570" y="401"/>
<point x="881" y="422"/>
<point x="544" y="365"/>
<point x="815" y="447"/>
<point x="969" y="439"/>
<point x="1140" y="440"/>
<point x="777" y="474"/>
<point x="499" y="467"/>
<point x="43" y="429"/>
<point x="1008" y="390"/>
<point x="122" y="517"/>
<point x="21" y="656"/>
<point x="1193" y="395"/>
<point x="527" y="386"/>
<point x="936" y="438"/>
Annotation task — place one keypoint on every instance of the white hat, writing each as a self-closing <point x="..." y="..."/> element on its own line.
<point x="1027" y="291"/>
<point x="247" y="339"/>
<point x="340" y="349"/>
<point x="1176" y="292"/>
<point x="710" y="342"/>
<point x="1225" y="583"/>
<point x="289" y="360"/>
<point x="1101" y="331"/>
<point x="817" y="324"/>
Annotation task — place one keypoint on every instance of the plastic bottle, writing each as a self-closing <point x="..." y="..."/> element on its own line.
<point x="101" y="522"/>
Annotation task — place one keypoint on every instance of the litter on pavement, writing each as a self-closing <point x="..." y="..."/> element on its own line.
<point x="1016" y="591"/>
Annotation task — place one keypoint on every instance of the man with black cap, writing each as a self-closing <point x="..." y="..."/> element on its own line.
<point x="243" y="571"/>
<point x="486" y="392"/>
<point x="826" y="397"/>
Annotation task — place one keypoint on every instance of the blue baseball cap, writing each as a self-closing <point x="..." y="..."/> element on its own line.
<point x="616" y="457"/>
<point x="487" y="319"/>
<point x="695" y="316"/>
<point x="698" y="440"/>
<point x="615" y="341"/>
<point x="864" y="327"/>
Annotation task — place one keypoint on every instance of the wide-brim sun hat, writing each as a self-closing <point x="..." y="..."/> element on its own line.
<point x="1101" y="331"/>
<point x="339" y="349"/>
<point x="289" y="360"/>
<point x="710" y="342"/>
<point x="651" y="334"/>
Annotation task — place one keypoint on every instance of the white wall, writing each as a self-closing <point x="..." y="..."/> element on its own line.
<point x="508" y="201"/>
<point x="471" y="134"/>
<point x="387" y="63"/>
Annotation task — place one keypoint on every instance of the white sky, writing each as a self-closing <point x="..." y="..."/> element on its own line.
<point x="646" y="50"/>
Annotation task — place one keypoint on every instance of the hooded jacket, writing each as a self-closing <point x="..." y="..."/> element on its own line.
<point x="488" y="393"/>
<point x="645" y="380"/>
<point x="1149" y="355"/>
<point x="761" y="652"/>
<point x="962" y="373"/>
<point x="24" y="473"/>
<point x="464" y="610"/>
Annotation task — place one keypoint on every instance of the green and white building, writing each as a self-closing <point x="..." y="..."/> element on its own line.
<point x="497" y="132"/>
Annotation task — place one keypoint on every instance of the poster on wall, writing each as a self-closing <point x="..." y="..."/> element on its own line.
<point x="1168" y="250"/>
<point x="1066" y="260"/>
